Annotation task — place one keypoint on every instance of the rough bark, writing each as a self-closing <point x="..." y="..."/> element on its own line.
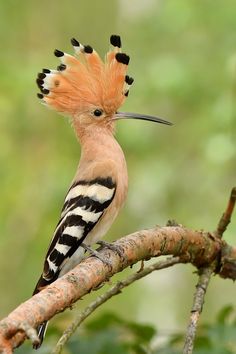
<point x="197" y="247"/>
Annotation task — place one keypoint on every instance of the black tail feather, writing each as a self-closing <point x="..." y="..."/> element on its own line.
<point x="41" y="329"/>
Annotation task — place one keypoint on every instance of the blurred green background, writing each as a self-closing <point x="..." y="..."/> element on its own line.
<point x="183" y="59"/>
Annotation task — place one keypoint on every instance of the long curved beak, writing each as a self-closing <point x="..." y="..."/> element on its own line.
<point x="127" y="115"/>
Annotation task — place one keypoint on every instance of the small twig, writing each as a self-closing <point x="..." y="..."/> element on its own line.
<point x="204" y="278"/>
<point x="198" y="301"/>
<point x="226" y="217"/>
<point x="116" y="289"/>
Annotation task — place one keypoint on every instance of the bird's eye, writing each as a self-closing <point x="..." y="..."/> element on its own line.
<point x="97" y="112"/>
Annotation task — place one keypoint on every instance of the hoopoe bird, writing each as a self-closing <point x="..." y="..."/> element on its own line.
<point x="90" y="92"/>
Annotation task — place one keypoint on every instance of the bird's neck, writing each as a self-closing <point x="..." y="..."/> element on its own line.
<point x="96" y="134"/>
<point x="102" y="156"/>
<point x="99" y="144"/>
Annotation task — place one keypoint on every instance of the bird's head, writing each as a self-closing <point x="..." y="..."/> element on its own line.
<point x="87" y="89"/>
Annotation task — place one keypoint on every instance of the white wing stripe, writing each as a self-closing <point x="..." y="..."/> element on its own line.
<point x="96" y="192"/>
<point x="62" y="248"/>
<point x="87" y="216"/>
<point x="51" y="265"/>
<point x="74" y="231"/>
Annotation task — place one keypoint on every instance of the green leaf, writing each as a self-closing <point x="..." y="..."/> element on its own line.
<point x="143" y="333"/>
<point x="103" y="342"/>
<point x="104" y="321"/>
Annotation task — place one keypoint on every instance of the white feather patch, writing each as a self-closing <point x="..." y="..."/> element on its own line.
<point x="70" y="263"/>
<point x="62" y="248"/>
<point x="74" y="231"/>
<point x="95" y="191"/>
<point x="52" y="266"/>
<point x="88" y="216"/>
<point x="48" y="81"/>
<point x="79" y="49"/>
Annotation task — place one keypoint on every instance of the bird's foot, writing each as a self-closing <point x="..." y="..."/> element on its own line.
<point x="112" y="247"/>
<point x="96" y="254"/>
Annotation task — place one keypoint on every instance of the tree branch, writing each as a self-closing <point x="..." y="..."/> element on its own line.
<point x="197" y="247"/>
<point x="114" y="290"/>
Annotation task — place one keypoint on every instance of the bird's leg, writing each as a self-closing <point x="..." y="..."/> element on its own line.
<point x="96" y="254"/>
<point x="112" y="247"/>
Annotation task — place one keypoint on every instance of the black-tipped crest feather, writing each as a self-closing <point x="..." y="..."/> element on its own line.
<point x="88" y="49"/>
<point x="74" y="42"/>
<point x="122" y="58"/>
<point x="115" y="40"/>
<point x="129" y="80"/>
<point x="58" y="53"/>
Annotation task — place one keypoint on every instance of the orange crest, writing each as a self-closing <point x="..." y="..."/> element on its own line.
<point x="85" y="82"/>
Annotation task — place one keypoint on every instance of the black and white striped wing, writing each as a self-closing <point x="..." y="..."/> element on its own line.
<point x="84" y="205"/>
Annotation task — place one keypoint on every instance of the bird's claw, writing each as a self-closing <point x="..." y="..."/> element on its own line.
<point x="96" y="254"/>
<point x="112" y="247"/>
